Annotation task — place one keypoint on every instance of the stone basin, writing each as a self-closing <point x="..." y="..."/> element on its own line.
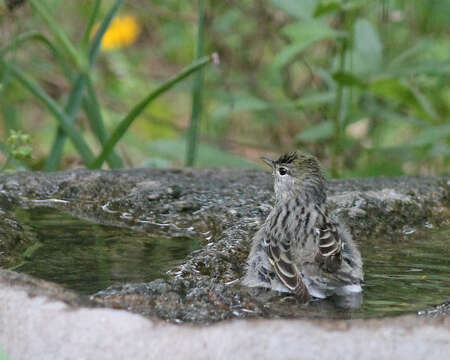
<point x="223" y="208"/>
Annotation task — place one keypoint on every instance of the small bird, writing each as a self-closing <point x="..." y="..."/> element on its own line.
<point x="301" y="248"/>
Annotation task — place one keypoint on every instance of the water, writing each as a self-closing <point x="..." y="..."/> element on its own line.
<point x="406" y="275"/>
<point x="402" y="276"/>
<point x="88" y="257"/>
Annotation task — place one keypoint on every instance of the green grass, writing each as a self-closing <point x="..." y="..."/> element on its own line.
<point x="349" y="81"/>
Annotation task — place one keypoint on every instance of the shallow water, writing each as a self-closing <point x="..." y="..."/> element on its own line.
<point x="409" y="274"/>
<point x="402" y="276"/>
<point x="88" y="257"/>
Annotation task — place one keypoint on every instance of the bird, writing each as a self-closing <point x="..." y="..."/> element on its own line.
<point x="301" y="248"/>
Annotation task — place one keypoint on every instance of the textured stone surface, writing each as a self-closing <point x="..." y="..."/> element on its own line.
<point x="215" y="204"/>
<point x="223" y="208"/>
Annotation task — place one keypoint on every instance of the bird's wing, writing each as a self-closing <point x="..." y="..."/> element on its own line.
<point x="330" y="244"/>
<point x="279" y="254"/>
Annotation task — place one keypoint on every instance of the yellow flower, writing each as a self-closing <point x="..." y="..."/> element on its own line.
<point x="122" y="31"/>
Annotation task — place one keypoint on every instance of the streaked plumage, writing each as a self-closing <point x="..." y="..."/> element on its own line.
<point x="300" y="248"/>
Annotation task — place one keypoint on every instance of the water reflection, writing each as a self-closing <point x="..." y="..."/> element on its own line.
<point x="88" y="257"/>
<point x="401" y="276"/>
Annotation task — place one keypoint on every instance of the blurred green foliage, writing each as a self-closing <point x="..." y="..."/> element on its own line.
<point x="76" y="64"/>
<point x="364" y="85"/>
<point x="17" y="149"/>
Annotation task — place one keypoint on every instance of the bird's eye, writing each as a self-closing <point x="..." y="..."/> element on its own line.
<point x="282" y="171"/>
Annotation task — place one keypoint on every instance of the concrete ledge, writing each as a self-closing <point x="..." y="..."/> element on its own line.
<point x="44" y="327"/>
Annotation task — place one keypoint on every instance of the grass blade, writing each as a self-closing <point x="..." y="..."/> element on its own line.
<point x="95" y="46"/>
<point x="71" y="110"/>
<point x="74" y="135"/>
<point x="192" y="134"/>
<point x="90" y="25"/>
<point x="76" y="95"/>
<point x="93" y="112"/>
<point x="34" y="35"/>
<point x="70" y="50"/>
<point x="4" y="81"/>
<point x="125" y="123"/>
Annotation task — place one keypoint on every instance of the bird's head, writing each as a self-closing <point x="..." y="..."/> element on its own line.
<point x="298" y="174"/>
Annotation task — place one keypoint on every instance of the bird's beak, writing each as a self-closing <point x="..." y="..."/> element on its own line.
<point x="268" y="161"/>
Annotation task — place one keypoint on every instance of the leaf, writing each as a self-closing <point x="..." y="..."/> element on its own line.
<point x="424" y="103"/>
<point x="74" y="134"/>
<point x="33" y="35"/>
<point x="197" y="90"/>
<point x="66" y="45"/>
<point x="242" y="103"/>
<point x="402" y="91"/>
<point x="392" y="89"/>
<point x="432" y="135"/>
<point x="425" y="67"/>
<point x="303" y="9"/>
<point x="75" y="99"/>
<point x="245" y="102"/>
<point x="321" y="131"/>
<point x="96" y="42"/>
<point x="288" y="53"/>
<point x="413" y="51"/>
<point x="91" y="22"/>
<point x="71" y="110"/>
<point x="208" y="156"/>
<point x="367" y="48"/>
<point x="326" y="7"/>
<point x="126" y="122"/>
<point x="303" y="34"/>
<point x="383" y="114"/>
<point x="316" y="99"/>
<point x="348" y="79"/>
<point x="440" y="150"/>
<point x="326" y="77"/>
<point x="307" y="31"/>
